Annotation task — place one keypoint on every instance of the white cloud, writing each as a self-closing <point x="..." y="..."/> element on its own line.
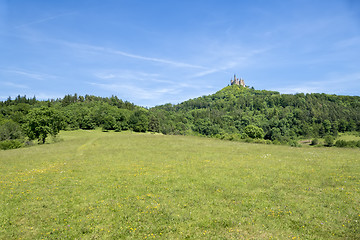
<point x="46" y="96"/>
<point x="15" y="85"/>
<point x="332" y="85"/>
<point x="28" y="74"/>
<point x="125" y="75"/>
<point x="159" y="60"/>
<point x="105" y="75"/>
<point x="133" y="91"/>
<point x="227" y="66"/>
<point x="131" y="55"/>
<point x="42" y="20"/>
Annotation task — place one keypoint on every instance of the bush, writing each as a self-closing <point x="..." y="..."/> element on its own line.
<point x="343" y="143"/>
<point x="276" y="142"/>
<point x="340" y="143"/>
<point x="10" y="130"/>
<point x="254" y="131"/>
<point x="352" y="144"/>
<point x="260" y="141"/>
<point x="11" y="144"/>
<point x="232" y="137"/>
<point x="314" y="142"/>
<point x="294" y="143"/>
<point x="329" y="140"/>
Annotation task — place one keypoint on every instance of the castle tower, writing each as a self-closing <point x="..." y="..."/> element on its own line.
<point x="242" y="83"/>
<point x="236" y="81"/>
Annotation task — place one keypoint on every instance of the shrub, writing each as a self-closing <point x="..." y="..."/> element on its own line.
<point x="249" y="140"/>
<point x="10" y="130"/>
<point x="243" y="136"/>
<point x="294" y="143"/>
<point x="261" y="141"/>
<point x="11" y="144"/>
<point x="329" y="140"/>
<point x="352" y="144"/>
<point x="254" y="131"/>
<point x="314" y="142"/>
<point x="340" y="143"/>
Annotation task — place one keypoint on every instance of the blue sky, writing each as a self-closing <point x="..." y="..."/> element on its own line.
<point x="156" y="52"/>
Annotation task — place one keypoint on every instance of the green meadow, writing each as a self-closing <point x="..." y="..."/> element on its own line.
<point x="108" y="185"/>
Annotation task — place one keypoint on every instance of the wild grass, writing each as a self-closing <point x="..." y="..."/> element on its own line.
<point x="95" y="185"/>
<point x="349" y="136"/>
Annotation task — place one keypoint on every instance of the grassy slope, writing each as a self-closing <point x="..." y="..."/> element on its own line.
<point x="96" y="185"/>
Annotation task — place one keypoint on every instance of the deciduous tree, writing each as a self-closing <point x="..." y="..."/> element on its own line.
<point x="42" y="122"/>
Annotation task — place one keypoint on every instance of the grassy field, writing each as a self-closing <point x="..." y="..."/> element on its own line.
<point x="96" y="185"/>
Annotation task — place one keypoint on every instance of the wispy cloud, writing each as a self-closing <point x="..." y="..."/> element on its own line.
<point x="146" y="79"/>
<point x="227" y="66"/>
<point x="125" y="75"/>
<point x="159" y="60"/>
<point x="135" y="91"/>
<point x="131" y="55"/>
<point x="28" y="74"/>
<point x="337" y="85"/>
<point x="42" y="20"/>
<point x="14" y="85"/>
<point x="348" y="42"/>
<point x="232" y="57"/>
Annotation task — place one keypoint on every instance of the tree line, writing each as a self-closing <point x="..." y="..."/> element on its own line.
<point x="233" y="113"/>
<point x="245" y="113"/>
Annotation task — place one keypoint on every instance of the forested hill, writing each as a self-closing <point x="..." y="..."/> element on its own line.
<point x="232" y="113"/>
<point x="238" y="112"/>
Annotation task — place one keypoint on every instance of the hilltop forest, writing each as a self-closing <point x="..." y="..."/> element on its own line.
<point x="233" y="113"/>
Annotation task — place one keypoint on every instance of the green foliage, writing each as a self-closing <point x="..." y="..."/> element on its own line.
<point x="282" y="118"/>
<point x="139" y="120"/>
<point x="294" y="143"/>
<point x="11" y="135"/>
<point x="205" y="127"/>
<point x="329" y="141"/>
<point x="42" y="122"/>
<point x="254" y="131"/>
<point x="11" y="144"/>
<point x="10" y="130"/>
<point x="341" y="143"/>
<point x="315" y="141"/>
<point x="344" y="143"/>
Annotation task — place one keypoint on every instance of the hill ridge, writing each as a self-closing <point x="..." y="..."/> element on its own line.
<point x="233" y="112"/>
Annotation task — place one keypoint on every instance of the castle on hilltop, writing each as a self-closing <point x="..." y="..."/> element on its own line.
<point x="236" y="81"/>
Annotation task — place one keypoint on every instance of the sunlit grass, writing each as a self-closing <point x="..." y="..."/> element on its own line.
<point x="349" y="136"/>
<point x="95" y="185"/>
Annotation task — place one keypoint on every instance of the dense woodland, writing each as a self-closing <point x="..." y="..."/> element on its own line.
<point x="233" y="113"/>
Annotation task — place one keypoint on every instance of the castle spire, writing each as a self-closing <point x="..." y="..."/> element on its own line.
<point x="237" y="81"/>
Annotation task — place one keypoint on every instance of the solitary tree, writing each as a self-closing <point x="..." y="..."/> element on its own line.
<point x="42" y="122"/>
